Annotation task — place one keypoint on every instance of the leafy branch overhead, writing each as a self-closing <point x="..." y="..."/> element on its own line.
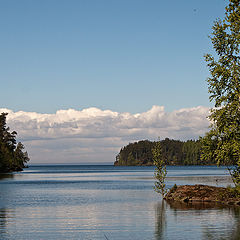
<point x="222" y="142"/>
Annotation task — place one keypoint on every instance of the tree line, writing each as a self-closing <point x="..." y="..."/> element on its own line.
<point x="174" y="152"/>
<point x="12" y="154"/>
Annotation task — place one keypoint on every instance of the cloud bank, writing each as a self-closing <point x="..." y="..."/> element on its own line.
<point x="95" y="135"/>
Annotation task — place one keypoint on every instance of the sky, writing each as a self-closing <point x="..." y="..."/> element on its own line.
<point x="82" y="78"/>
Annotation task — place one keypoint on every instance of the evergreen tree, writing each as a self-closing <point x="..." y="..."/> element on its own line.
<point x="222" y="142"/>
<point x="12" y="157"/>
<point x="131" y="160"/>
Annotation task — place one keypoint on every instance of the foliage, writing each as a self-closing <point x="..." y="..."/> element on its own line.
<point x="174" y="152"/>
<point x="191" y="153"/>
<point x="12" y="157"/>
<point x="222" y="142"/>
<point x="140" y="151"/>
<point x="230" y="193"/>
<point x="233" y="191"/>
<point x="160" y="169"/>
<point x="131" y="159"/>
<point x="173" y="188"/>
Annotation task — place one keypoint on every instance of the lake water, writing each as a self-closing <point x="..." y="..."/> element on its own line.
<point x="107" y="202"/>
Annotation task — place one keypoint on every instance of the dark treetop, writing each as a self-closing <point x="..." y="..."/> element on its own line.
<point x="12" y="156"/>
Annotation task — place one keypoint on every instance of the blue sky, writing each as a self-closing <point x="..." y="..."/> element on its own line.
<point x="82" y="78"/>
<point x="122" y="55"/>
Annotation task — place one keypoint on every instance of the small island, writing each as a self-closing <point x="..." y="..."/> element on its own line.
<point x="203" y="194"/>
<point x="174" y="152"/>
<point x="12" y="155"/>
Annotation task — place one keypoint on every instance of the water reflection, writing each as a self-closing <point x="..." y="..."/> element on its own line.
<point x="233" y="233"/>
<point x="209" y="221"/>
<point x="6" y="176"/>
<point x="160" y="214"/>
<point x="97" y="202"/>
<point x="4" y="217"/>
<point x="194" y="206"/>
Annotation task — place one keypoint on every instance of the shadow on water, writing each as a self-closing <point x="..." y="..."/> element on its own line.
<point x="6" y="176"/>
<point x="224" y="225"/>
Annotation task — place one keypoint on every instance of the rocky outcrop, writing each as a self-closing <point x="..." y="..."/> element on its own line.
<point x="203" y="193"/>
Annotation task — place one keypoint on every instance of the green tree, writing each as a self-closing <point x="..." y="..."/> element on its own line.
<point x="160" y="169"/>
<point x="222" y="142"/>
<point x="131" y="160"/>
<point x="12" y="156"/>
<point x="20" y="157"/>
<point x="191" y="152"/>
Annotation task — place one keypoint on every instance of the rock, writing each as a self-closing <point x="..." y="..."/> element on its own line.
<point x="203" y="193"/>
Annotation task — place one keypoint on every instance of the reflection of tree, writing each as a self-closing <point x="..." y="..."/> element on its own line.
<point x="230" y="219"/>
<point x="236" y="232"/>
<point x="3" y="217"/>
<point x="6" y="175"/>
<point x="175" y="205"/>
<point x="232" y="233"/>
<point x="160" y="221"/>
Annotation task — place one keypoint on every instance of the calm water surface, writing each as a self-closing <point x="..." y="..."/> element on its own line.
<point x="106" y="202"/>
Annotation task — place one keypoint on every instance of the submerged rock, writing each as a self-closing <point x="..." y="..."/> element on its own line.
<point x="203" y="193"/>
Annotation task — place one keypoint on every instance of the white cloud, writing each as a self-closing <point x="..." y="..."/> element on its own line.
<point x="94" y="135"/>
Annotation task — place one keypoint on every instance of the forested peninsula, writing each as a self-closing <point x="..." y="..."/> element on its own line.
<point x="12" y="154"/>
<point x="174" y="152"/>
